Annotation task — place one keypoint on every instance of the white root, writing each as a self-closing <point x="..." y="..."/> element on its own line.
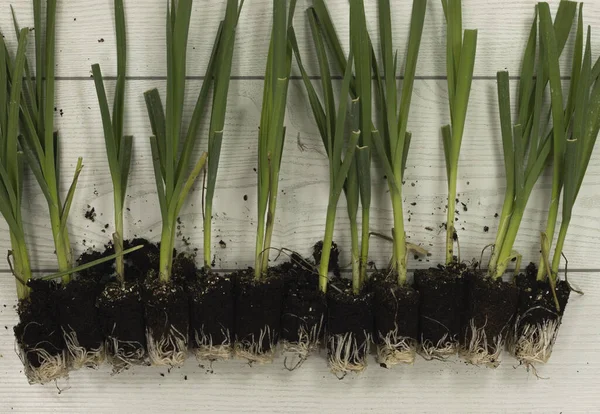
<point x="120" y="357"/>
<point x="443" y="349"/>
<point x="80" y="356"/>
<point x="170" y="350"/>
<point x="252" y="350"/>
<point x="346" y="354"/>
<point x="396" y="349"/>
<point x="533" y="344"/>
<point x="52" y="367"/>
<point x="207" y="350"/>
<point x="480" y="350"/>
<point x="308" y="341"/>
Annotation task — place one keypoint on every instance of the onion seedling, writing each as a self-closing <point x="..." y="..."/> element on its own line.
<point x="118" y="146"/>
<point x="350" y="318"/>
<point x="11" y="159"/>
<point x="442" y="289"/>
<point x="358" y="183"/>
<point x="167" y="312"/>
<point x="396" y="318"/>
<point x="576" y="128"/>
<point x="528" y="144"/>
<point x="460" y="61"/>
<point x="259" y="296"/>
<point x="340" y="143"/>
<point x="271" y="135"/>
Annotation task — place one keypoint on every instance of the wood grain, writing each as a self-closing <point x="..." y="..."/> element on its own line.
<point x="85" y="34"/>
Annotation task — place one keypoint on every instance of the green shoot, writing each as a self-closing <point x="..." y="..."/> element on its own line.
<point x="271" y="135"/>
<point x="460" y="60"/>
<point x="118" y="146"/>
<point x="333" y="130"/>
<point x="583" y="118"/>
<point x="394" y="141"/>
<point x="171" y="165"/>
<point x="527" y="145"/>
<point x="361" y="44"/>
<point x="11" y="159"/>
<point x="39" y="141"/>
<point x="222" y="76"/>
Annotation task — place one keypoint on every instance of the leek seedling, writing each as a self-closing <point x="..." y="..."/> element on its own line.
<point x="271" y="135"/>
<point x="333" y="132"/>
<point x="11" y="159"/>
<point x="39" y="141"/>
<point x="393" y="142"/>
<point x="118" y="146"/>
<point x="173" y="180"/>
<point x="528" y="143"/>
<point x="222" y="76"/>
<point x="460" y="60"/>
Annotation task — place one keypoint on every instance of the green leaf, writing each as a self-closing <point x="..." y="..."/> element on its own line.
<point x="119" y="102"/>
<point x="70" y="194"/>
<point x="506" y="126"/>
<point x="91" y="264"/>
<point x="160" y="189"/>
<point x="157" y="121"/>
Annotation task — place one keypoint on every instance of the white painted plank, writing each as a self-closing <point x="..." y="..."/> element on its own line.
<point x="568" y="383"/>
<point x="304" y="185"/>
<point x="85" y="34"/>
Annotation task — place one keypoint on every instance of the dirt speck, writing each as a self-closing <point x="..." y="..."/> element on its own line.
<point x="90" y="213"/>
<point x="245" y="197"/>
<point x="486" y="229"/>
<point x="101" y="40"/>
<point x="496" y="215"/>
<point x="222" y="244"/>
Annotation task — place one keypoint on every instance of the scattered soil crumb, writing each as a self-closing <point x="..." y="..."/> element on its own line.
<point x="429" y="228"/>
<point x="413" y="204"/>
<point x="162" y="375"/>
<point x="90" y="213"/>
<point x="486" y="229"/>
<point x="496" y="215"/>
<point x="185" y="378"/>
<point x="101" y="40"/>
<point x="222" y="244"/>
<point x="245" y="197"/>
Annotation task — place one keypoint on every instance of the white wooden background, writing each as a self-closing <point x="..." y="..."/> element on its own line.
<point x="85" y="35"/>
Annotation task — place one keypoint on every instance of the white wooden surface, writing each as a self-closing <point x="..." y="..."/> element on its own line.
<point x="85" y="35"/>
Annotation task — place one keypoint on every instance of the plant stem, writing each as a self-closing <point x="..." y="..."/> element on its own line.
<point x="450" y="216"/>
<point x="22" y="266"/>
<point x="118" y="239"/>
<point x="505" y="219"/>
<point x="509" y="239"/>
<point x="270" y="223"/>
<point x="399" y="236"/>
<point x="356" y="282"/>
<point x="62" y="253"/>
<point x="327" y="241"/>
<point x="167" y="240"/>
<point x="551" y="225"/>
<point x="259" y="248"/>
<point x="560" y="242"/>
<point x="207" y="235"/>
<point x="364" y="244"/>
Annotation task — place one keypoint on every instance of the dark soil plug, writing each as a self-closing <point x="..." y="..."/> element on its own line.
<point x="304" y="309"/>
<point x="396" y="310"/>
<point x="100" y="273"/>
<point x="167" y="320"/>
<point x="141" y="262"/>
<point x="80" y="323"/>
<point x="490" y="309"/>
<point x="334" y="257"/>
<point x="257" y="314"/>
<point x="39" y="337"/>
<point x="122" y="321"/>
<point x="212" y="316"/>
<point x="442" y="303"/>
<point x="538" y="319"/>
<point x="349" y="327"/>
